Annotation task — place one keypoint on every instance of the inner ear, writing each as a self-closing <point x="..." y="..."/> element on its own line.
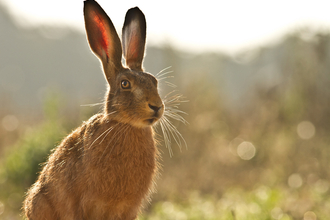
<point x="134" y="38"/>
<point x="102" y="37"/>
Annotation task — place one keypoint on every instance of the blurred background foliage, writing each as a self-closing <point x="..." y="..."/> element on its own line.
<point x="258" y="133"/>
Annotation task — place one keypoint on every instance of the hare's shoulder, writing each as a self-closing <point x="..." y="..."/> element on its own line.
<point x="88" y="129"/>
<point x="72" y="145"/>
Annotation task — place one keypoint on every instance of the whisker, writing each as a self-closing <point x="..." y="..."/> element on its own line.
<point x="176" y="116"/>
<point x="165" y="97"/>
<point x="99" y="137"/>
<point x="95" y="104"/>
<point x="173" y="99"/>
<point x="163" y="74"/>
<point x="111" y="113"/>
<point x="165" y="77"/>
<point x="108" y="133"/>
<point x="163" y="70"/>
<point x="167" y="139"/>
<point x="175" y="108"/>
<point x="172" y="102"/>
<point x="117" y="104"/>
<point x="126" y="127"/>
<point x="114" y="136"/>
<point x="92" y="105"/>
<point x="170" y="84"/>
<point x="175" y="133"/>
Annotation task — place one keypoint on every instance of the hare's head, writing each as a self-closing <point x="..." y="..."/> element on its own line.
<point x="133" y="96"/>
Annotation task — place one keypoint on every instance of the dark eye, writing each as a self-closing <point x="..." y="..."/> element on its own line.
<point x="125" y="84"/>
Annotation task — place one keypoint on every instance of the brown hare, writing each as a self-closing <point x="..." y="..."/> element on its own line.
<point x="105" y="168"/>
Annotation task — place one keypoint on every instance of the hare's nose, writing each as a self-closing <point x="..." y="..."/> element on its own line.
<point x="155" y="108"/>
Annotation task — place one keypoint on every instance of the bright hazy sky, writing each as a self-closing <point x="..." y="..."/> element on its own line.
<point x="229" y="26"/>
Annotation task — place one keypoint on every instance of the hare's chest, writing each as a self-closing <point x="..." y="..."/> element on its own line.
<point x="133" y="169"/>
<point x="121" y="165"/>
<point x="125" y="181"/>
<point x="119" y="174"/>
<point x="125" y="170"/>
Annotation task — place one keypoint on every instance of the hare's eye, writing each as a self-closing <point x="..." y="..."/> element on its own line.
<point x="125" y="84"/>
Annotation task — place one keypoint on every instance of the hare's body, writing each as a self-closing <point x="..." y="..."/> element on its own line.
<point x="105" y="168"/>
<point x="85" y="181"/>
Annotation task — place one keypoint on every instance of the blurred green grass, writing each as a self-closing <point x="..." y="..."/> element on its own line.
<point x="237" y="204"/>
<point x="22" y="162"/>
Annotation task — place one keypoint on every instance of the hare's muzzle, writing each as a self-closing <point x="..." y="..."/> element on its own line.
<point x="151" y="121"/>
<point x="157" y="111"/>
<point x="155" y="108"/>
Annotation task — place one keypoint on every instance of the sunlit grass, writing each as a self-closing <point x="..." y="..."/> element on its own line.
<point x="238" y="204"/>
<point x="21" y="163"/>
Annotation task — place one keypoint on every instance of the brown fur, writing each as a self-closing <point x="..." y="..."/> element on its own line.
<point x="106" y="167"/>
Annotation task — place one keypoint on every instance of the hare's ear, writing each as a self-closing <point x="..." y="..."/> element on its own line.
<point x="102" y="37"/>
<point x="134" y="38"/>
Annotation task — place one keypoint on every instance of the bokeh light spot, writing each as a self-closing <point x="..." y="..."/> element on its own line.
<point x="310" y="216"/>
<point x="295" y="180"/>
<point x="254" y="208"/>
<point x="14" y="200"/>
<point x="168" y="207"/>
<point x="2" y="208"/>
<point x="306" y="130"/>
<point x="322" y="186"/>
<point x="276" y="213"/>
<point x="246" y="150"/>
<point x="10" y="122"/>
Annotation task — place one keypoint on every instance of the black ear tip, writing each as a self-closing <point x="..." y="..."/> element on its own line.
<point x="90" y="2"/>
<point x="133" y="13"/>
<point x="135" y="9"/>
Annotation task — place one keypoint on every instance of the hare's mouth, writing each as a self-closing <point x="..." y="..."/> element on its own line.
<point x="150" y="121"/>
